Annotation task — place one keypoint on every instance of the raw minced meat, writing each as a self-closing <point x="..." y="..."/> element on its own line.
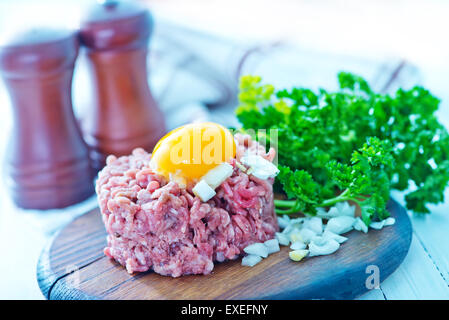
<point x="153" y="223"/>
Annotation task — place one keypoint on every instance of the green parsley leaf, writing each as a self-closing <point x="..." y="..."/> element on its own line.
<point x="353" y="143"/>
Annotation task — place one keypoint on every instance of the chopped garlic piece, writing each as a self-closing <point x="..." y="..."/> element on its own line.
<point x="330" y="235"/>
<point x="283" y="222"/>
<point x="283" y="239"/>
<point x="380" y="224"/>
<point x="251" y="260"/>
<point x="272" y="245"/>
<point x="218" y="175"/>
<point x="258" y="249"/>
<point x="315" y="224"/>
<point x="340" y="209"/>
<point x="203" y="191"/>
<point x="259" y="167"/>
<point x="307" y="235"/>
<point x="345" y="209"/>
<point x="340" y="224"/>
<point x="290" y="227"/>
<point x="321" y="247"/>
<point x="332" y="213"/>
<point x="298" y="255"/>
<point x="295" y="235"/>
<point x="298" y="245"/>
<point x="377" y="225"/>
<point x="359" y="225"/>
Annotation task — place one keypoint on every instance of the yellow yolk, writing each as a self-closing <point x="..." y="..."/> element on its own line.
<point x="187" y="153"/>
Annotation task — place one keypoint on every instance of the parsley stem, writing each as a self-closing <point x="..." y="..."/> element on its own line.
<point x="331" y="202"/>
<point x="291" y="206"/>
<point x="284" y="203"/>
<point x="292" y="210"/>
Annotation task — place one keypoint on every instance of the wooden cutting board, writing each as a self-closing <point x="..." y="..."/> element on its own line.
<point x="73" y="266"/>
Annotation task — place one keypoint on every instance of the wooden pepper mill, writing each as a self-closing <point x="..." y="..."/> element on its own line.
<point x="124" y="115"/>
<point x="47" y="159"/>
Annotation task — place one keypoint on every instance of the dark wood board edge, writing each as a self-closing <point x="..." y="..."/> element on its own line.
<point x="46" y="278"/>
<point x="327" y="290"/>
<point x="343" y="276"/>
<point x="53" y="286"/>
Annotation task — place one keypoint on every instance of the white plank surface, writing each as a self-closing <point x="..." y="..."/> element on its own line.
<point x="374" y="294"/>
<point x="424" y="273"/>
<point x="432" y="232"/>
<point x="416" y="278"/>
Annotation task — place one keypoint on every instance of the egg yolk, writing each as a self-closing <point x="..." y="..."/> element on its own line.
<point x="187" y="153"/>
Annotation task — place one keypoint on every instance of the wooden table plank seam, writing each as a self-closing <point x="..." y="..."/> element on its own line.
<point x="382" y="291"/>
<point x="416" y="278"/>
<point x="431" y="258"/>
<point x="63" y="276"/>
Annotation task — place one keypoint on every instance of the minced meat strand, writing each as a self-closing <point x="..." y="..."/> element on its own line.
<point x="154" y="224"/>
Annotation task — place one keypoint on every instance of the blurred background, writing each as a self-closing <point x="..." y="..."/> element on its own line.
<point x="197" y="53"/>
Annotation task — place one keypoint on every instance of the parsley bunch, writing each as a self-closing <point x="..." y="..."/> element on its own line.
<point x="352" y="144"/>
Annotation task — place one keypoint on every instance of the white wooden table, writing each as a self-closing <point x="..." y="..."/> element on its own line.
<point x="425" y="272"/>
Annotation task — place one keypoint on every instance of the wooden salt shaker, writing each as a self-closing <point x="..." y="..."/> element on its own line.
<point x="124" y="115"/>
<point x="47" y="160"/>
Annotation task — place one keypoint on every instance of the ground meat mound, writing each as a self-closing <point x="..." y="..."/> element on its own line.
<point x="153" y="223"/>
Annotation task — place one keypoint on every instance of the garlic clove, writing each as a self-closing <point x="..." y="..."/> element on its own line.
<point x="377" y="225"/>
<point x="259" y="167"/>
<point x="307" y="235"/>
<point x="283" y="239"/>
<point x="298" y="245"/>
<point x="323" y="247"/>
<point x="283" y="222"/>
<point x="340" y="224"/>
<point x="315" y="224"/>
<point x="330" y="235"/>
<point x="390" y="221"/>
<point x="345" y="209"/>
<point x="251" y="260"/>
<point x="258" y="249"/>
<point x="203" y="191"/>
<point x="298" y="255"/>
<point x="218" y="175"/>
<point x="359" y="225"/>
<point x="272" y="245"/>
